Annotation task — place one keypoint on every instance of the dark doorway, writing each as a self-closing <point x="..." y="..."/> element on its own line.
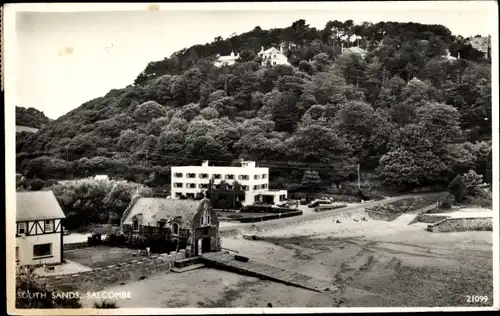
<point x="205" y="245"/>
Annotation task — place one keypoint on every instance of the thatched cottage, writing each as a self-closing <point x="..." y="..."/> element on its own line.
<point x="192" y="221"/>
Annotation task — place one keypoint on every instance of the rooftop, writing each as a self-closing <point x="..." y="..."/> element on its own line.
<point x="157" y="209"/>
<point x="37" y="205"/>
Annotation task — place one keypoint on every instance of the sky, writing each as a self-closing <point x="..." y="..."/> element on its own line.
<point x="64" y="59"/>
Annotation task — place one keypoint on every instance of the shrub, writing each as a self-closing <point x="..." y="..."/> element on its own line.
<point x="115" y="239"/>
<point x="25" y="282"/>
<point x="94" y="240"/>
<point x="457" y="188"/>
<point x="105" y="304"/>
<point x="472" y="182"/>
<point x="446" y="203"/>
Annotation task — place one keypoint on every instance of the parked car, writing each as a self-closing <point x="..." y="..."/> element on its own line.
<point x="303" y="201"/>
<point x="315" y="203"/>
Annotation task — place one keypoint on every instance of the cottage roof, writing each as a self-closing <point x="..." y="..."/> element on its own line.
<point x="355" y="50"/>
<point x="37" y="205"/>
<point x="270" y="50"/>
<point x="480" y="43"/>
<point x="154" y="210"/>
<point x="227" y="58"/>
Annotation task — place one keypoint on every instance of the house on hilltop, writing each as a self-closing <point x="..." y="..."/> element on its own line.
<point x="193" y="222"/>
<point x="273" y="57"/>
<point x="39" y="230"/>
<point x="354" y="50"/>
<point x="222" y="61"/>
<point x="482" y="44"/>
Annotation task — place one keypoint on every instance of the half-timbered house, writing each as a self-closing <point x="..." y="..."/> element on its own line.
<point x="193" y="222"/>
<point x="39" y="231"/>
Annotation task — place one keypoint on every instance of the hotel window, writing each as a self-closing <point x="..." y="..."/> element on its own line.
<point x="229" y="176"/>
<point x="243" y="177"/>
<point x="177" y="185"/>
<point x="256" y="177"/>
<point x="17" y="253"/>
<point x="21" y="228"/>
<point x="263" y="186"/>
<point x="264" y="176"/>
<point x="203" y="175"/>
<point x="245" y="187"/>
<point x="42" y="250"/>
<point x="178" y="195"/>
<point x="49" y="226"/>
<point x="191" y="185"/>
<point x="274" y="63"/>
<point x="255" y="187"/>
<point x="217" y="176"/>
<point x="191" y="175"/>
<point x="178" y="175"/>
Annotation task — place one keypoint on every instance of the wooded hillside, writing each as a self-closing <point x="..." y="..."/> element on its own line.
<point x="404" y="112"/>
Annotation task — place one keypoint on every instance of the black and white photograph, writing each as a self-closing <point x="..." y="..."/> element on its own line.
<point x="285" y="157"/>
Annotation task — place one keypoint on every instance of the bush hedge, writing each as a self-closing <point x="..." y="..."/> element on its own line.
<point x="327" y="207"/>
<point x="265" y="209"/>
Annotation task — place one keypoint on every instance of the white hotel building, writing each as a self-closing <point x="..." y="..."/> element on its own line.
<point x="190" y="180"/>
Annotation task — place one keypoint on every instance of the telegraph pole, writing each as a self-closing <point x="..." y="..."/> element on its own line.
<point x="359" y="179"/>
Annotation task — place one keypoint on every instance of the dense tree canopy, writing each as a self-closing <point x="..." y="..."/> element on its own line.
<point x="404" y="111"/>
<point x="30" y="117"/>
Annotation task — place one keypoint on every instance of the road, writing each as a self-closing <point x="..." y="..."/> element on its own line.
<point x="313" y="216"/>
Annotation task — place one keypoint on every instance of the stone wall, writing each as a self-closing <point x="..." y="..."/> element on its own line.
<point x="277" y="224"/>
<point x="77" y="245"/>
<point x="99" y="278"/>
<point x="425" y="218"/>
<point x="382" y="216"/>
<point x="462" y="224"/>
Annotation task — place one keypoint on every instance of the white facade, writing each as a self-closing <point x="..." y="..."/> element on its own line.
<point x="277" y="196"/>
<point x="190" y="180"/>
<point x="39" y="242"/>
<point x="273" y="57"/>
<point x="226" y="60"/>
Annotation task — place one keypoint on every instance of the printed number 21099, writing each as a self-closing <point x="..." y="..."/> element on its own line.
<point x="477" y="299"/>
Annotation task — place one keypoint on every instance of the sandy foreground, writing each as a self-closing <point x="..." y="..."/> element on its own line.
<point x="373" y="263"/>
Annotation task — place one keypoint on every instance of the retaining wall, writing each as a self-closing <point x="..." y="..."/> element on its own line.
<point x="99" y="278"/>
<point x="462" y="224"/>
<point x="382" y="216"/>
<point x="77" y="245"/>
<point x="267" y="226"/>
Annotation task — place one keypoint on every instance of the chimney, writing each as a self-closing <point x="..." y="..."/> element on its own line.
<point x="232" y="53"/>
<point x="204" y="163"/>
<point x="261" y="49"/>
<point x="458" y="57"/>
<point x="342" y="49"/>
<point x="281" y="48"/>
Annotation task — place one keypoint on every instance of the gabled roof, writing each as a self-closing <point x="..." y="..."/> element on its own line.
<point x="154" y="210"/>
<point x="355" y="50"/>
<point x="227" y="58"/>
<point x="37" y="205"/>
<point x="270" y="50"/>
